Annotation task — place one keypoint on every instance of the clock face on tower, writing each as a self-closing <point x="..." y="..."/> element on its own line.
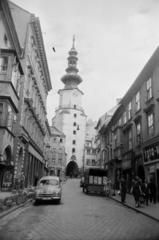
<point x="75" y="94"/>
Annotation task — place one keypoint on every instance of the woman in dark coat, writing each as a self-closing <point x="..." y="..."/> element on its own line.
<point x="152" y="189"/>
<point x="136" y="189"/>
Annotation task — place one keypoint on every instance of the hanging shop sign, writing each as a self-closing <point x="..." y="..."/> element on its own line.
<point x="126" y="164"/>
<point x="151" y="152"/>
<point x="126" y="161"/>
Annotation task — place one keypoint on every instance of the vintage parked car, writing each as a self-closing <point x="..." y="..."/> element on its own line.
<point x="49" y="188"/>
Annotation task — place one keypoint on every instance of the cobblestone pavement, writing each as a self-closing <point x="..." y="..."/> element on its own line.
<point x="78" y="217"/>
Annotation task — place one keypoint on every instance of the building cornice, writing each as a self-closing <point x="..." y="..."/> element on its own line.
<point x="9" y="24"/>
<point x="41" y="50"/>
<point x="142" y="77"/>
<point x="64" y="89"/>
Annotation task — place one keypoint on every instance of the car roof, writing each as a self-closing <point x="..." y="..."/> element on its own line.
<point x="49" y="178"/>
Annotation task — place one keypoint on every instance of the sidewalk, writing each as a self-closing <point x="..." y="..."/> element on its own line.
<point x="10" y="201"/>
<point x="151" y="211"/>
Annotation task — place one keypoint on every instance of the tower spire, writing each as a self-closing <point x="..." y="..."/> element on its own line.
<point x="72" y="70"/>
<point x="73" y="44"/>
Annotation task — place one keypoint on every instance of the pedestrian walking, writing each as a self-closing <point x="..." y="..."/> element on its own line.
<point x="152" y="191"/>
<point x="22" y="180"/>
<point x="107" y="187"/>
<point x="123" y="189"/>
<point x="136" y="190"/>
<point x="36" y="178"/>
<point x="145" y="191"/>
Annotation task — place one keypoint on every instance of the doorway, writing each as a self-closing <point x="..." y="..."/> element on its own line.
<point x="141" y="172"/>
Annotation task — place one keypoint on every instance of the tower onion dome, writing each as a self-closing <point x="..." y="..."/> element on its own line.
<point x="71" y="75"/>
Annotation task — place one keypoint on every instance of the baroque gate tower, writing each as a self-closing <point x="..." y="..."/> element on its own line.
<point x="69" y="116"/>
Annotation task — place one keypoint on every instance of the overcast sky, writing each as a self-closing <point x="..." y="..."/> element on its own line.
<point x="114" y="40"/>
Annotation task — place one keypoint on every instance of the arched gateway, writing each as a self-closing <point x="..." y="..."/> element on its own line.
<point x="72" y="169"/>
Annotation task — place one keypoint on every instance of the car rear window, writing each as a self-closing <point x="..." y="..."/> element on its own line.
<point x="53" y="182"/>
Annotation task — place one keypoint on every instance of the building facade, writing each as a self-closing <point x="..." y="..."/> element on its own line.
<point x="133" y="131"/>
<point x="11" y="73"/>
<point x="70" y="118"/>
<point x="57" y="163"/>
<point x="31" y="121"/>
<point x="90" y="146"/>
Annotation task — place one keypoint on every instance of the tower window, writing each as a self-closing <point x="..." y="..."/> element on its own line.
<point x="75" y="115"/>
<point x="61" y="140"/>
<point x="73" y="142"/>
<point x="74" y="106"/>
<point x="74" y="124"/>
<point x="74" y="132"/>
<point x="73" y="150"/>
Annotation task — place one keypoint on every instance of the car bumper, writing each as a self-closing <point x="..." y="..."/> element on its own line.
<point x="47" y="197"/>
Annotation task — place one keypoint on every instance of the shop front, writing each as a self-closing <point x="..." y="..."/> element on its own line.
<point x="33" y="166"/>
<point x="139" y="167"/>
<point x="151" y="162"/>
<point x="128" y="168"/>
<point x="6" y="171"/>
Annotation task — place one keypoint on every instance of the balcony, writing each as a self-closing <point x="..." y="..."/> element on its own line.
<point x="70" y="106"/>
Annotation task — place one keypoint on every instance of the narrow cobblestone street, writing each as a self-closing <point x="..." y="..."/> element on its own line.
<point x="78" y="217"/>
